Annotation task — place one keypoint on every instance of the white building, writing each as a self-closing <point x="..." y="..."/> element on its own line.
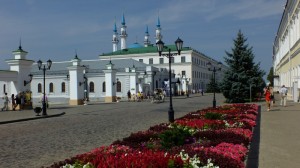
<point x="286" y="50"/>
<point x="136" y="68"/>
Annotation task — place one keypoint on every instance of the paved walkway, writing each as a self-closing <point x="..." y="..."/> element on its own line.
<point x="279" y="142"/>
<point x="276" y="144"/>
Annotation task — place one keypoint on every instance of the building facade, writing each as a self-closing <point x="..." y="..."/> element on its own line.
<point x="286" y="51"/>
<point x="135" y="68"/>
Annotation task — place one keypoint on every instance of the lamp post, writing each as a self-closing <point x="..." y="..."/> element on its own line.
<point x="40" y="63"/>
<point x="153" y="74"/>
<point x="30" y="79"/>
<point x="214" y="70"/>
<point x="169" y="55"/>
<point x="187" y="87"/>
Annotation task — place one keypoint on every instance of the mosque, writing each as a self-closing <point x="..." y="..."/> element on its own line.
<point x="135" y="68"/>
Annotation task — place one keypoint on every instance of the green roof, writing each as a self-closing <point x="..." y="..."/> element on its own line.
<point x="149" y="49"/>
<point x="20" y="50"/>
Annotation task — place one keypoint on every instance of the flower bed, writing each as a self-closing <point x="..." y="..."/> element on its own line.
<point x="207" y="138"/>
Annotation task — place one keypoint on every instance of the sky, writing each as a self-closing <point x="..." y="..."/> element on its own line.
<point x="56" y="29"/>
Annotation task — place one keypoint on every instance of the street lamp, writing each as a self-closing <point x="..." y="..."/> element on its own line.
<point x="40" y="63"/>
<point x="30" y="79"/>
<point x="187" y="86"/>
<point x="214" y="70"/>
<point x="169" y="55"/>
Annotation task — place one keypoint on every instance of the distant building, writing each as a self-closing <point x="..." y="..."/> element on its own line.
<point x="286" y="50"/>
<point x="135" y="67"/>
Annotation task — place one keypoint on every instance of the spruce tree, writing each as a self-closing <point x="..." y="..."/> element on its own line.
<point x="211" y="86"/>
<point x="242" y="72"/>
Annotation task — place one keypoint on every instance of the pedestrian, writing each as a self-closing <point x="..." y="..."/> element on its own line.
<point x="129" y="95"/>
<point x="5" y="105"/>
<point x="22" y="100"/>
<point x="283" y="94"/>
<point x="18" y="101"/>
<point x="272" y="101"/>
<point x="46" y="100"/>
<point x="13" y="102"/>
<point x="268" y="97"/>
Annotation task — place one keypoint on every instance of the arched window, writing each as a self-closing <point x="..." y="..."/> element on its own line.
<point x="63" y="87"/>
<point x="4" y="88"/>
<point x="39" y="88"/>
<point x="103" y="87"/>
<point x="51" y="87"/>
<point x="119" y="86"/>
<point x="92" y="88"/>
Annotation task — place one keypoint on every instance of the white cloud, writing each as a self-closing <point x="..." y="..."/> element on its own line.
<point x="214" y="9"/>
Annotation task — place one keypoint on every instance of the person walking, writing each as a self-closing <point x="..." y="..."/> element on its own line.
<point x="13" y="102"/>
<point x="18" y="101"/>
<point x="22" y="100"/>
<point x="5" y="105"/>
<point x="268" y="97"/>
<point x="272" y="101"/>
<point x="283" y="94"/>
<point x="129" y="95"/>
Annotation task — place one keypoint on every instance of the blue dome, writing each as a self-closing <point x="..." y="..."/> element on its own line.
<point x="135" y="45"/>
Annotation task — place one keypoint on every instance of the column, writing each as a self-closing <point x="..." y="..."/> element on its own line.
<point x="110" y="79"/>
<point x="76" y="76"/>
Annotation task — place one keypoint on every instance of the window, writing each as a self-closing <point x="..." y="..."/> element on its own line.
<point x="183" y="73"/>
<point x="118" y="86"/>
<point x="103" y="87"/>
<point x="92" y="87"/>
<point x="172" y="59"/>
<point x="183" y="59"/>
<point x="141" y="60"/>
<point x="39" y="88"/>
<point x="161" y="60"/>
<point x="63" y="87"/>
<point x="51" y="87"/>
<point x="4" y="88"/>
<point x="150" y="60"/>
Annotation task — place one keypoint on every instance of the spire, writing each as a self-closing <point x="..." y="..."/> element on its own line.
<point x="146" y="38"/>
<point x="20" y="53"/>
<point x="123" y="20"/>
<point x="20" y="45"/>
<point x="115" y="26"/>
<point x="123" y="33"/>
<point x="158" y="35"/>
<point x="158" y="22"/>
<point x="147" y="32"/>
<point x="76" y="57"/>
<point x="115" y="39"/>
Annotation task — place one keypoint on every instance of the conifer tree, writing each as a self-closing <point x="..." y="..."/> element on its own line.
<point x="211" y="86"/>
<point x="242" y="72"/>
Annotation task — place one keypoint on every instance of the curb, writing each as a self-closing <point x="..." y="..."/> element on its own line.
<point x="32" y="118"/>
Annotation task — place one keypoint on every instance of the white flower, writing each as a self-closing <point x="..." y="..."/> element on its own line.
<point x="68" y="166"/>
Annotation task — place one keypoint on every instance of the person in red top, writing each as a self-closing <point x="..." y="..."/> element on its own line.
<point x="268" y="97"/>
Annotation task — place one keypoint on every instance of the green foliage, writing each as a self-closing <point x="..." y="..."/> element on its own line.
<point x="213" y="116"/>
<point x="242" y="73"/>
<point x="174" y="137"/>
<point x="270" y="76"/>
<point x="211" y="87"/>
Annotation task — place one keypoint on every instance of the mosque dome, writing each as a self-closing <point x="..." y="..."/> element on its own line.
<point x="135" y="45"/>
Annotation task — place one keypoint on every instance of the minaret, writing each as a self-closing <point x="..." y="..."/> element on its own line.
<point x="115" y="39"/>
<point x="158" y="35"/>
<point x="147" y="42"/>
<point x="123" y="34"/>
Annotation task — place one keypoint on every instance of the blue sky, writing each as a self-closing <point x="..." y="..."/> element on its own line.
<point x="54" y="29"/>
